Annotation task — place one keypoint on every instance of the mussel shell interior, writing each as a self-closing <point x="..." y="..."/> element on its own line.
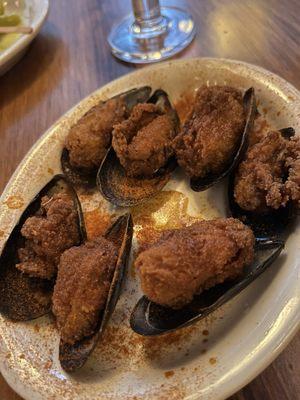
<point x="134" y="96"/>
<point x="269" y="224"/>
<point x="150" y="319"/>
<point x="200" y="184"/>
<point x="73" y="357"/>
<point x="123" y="191"/>
<point x="22" y="297"/>
<point x="161" y="99"/>
<point x="87" y="178"/>
<point x="78" y="177"/>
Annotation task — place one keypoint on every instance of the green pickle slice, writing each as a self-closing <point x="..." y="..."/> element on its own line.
<point x="9" y="20"/>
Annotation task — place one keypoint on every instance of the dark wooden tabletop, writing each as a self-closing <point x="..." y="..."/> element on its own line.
<point x="71" y="58"/>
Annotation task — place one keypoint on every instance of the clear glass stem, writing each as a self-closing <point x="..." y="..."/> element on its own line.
<point x="145" y="10"/>
<point x="148" y="19"/>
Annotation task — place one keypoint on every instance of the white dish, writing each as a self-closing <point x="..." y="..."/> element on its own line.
<point x="34" y="14"/>
<point x="245" y="335"/>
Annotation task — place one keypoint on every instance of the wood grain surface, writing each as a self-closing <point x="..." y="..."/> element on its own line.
<point x="71" y="58"/>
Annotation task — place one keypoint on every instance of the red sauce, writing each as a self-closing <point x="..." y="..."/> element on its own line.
<point x="97" y="222"/>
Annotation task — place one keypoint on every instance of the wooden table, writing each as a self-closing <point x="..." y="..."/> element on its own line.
<point x="71" y="58"/>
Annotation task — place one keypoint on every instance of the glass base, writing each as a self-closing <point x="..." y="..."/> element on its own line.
<point x="173" y="34"/>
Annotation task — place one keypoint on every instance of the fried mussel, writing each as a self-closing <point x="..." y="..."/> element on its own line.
<point x="50" y="224"/>
<point x="264" y="190"/>
<point x="141" y="159"/>
<point x="215" y="135"/>
<point x="87" y="289"/>
<point x="90" y="137"/>
<point x="189" y="272"/>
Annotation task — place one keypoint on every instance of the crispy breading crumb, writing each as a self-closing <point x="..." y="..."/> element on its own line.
<point x="143" y="142"/>
<point x="48" y="234"/>
<point x="82" y="285"/>
<point x="212" y="131"/>
<point x="270" y="174"/>
<point x="89" y="139"/>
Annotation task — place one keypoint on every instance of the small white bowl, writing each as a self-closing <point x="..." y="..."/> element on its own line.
<point x="37" y="11"/>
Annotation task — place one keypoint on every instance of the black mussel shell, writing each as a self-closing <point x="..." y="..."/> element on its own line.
<point x="87" y="178"/>
<point x="161" y="99"/>
<point x="150" y="319"/>
<point x="123" y="191"/>
<point x="73" y="357"/>
<point x="200" y="184"/>
<point x="78" y="177"/>
<point x="24" y="298"/>
<point x="264" y="225"/>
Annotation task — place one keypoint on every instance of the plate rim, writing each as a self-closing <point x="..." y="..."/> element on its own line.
<point x="249" y="371"/>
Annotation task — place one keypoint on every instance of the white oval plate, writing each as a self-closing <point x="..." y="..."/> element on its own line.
<point x="210" y="360"/>
<point x="35" y="14"/>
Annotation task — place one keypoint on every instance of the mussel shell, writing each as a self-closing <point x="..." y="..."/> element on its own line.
<point x="150" y="319"/>
<point x="87" y="178"/>
<point x="123" y="191"/>
<point x="22" y="297"/>
<point x="161" y="99"/>
<point x="264" y="225"/>
<point x="78" y="176"/>
<point x="73" y="357"/>
<point x="203" y="183"/>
